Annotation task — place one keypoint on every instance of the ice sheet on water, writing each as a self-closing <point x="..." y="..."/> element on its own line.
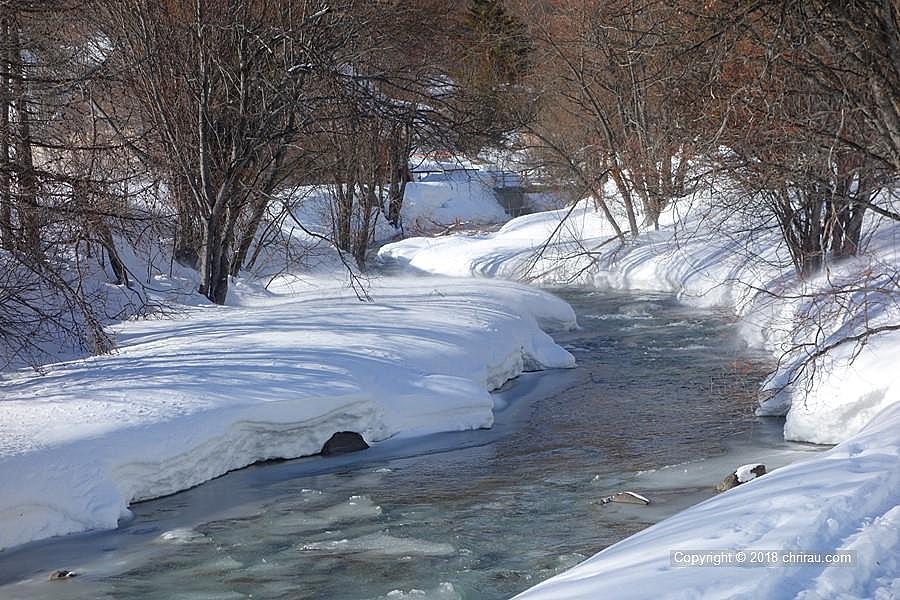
<point x="354" y="509"/>
<point x="215" y="568"/>
<point x="184" y="535"/>
<point x="381" y="544"/>
<point x="444" y="591"/>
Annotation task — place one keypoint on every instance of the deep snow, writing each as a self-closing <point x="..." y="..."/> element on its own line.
<point x="845" y="499"/>
<point x="707" y="265"/>
<point x="294" y="357"/>
<point x="274" y="376"/>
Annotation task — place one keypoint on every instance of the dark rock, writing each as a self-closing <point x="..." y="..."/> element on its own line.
<point x="729" y="482"/>
<point x="343" y="442"/>
<point x="62" y="574"/>
<point x="742" y="474"/>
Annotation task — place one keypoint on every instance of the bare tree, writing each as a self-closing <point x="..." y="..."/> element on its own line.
<point x="223" y="93"/>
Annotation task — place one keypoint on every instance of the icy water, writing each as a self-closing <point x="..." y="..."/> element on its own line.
<point x="661" y="404"/>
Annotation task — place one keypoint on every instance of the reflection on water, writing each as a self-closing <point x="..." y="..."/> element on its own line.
<point x="661" y="404"/>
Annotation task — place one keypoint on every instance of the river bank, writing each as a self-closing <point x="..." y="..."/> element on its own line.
<point x="476" y="514"/>
<point x="843" y="500"/>
<point x="273" y="376"/>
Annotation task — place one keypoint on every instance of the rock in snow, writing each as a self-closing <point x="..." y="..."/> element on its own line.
<point x="344" y="442"/>
<point x="185" y="400"/>
<point x="742" y="474"/>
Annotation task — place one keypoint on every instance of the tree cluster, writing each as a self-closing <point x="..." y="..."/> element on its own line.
<point x="796" y="101"/>
<point x="181" y="121"/>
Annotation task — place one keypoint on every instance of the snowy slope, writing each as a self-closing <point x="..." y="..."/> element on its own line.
<point x="706" y="265"/>
<point x="218" y="388"/>
<point x="844" y="499"/>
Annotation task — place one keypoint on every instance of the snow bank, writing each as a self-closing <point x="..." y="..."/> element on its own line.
<point x="710" y="262"/>
<point x="431" y="202"/>
<point x="436" y="202"/>
<point x="844" y="500"/>
<point x="186" y="400"/>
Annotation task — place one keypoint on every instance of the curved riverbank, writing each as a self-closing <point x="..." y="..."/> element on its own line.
<point x="478" y="514"/>
<point x="844" y="499"/>
<point x="185" y="400"/>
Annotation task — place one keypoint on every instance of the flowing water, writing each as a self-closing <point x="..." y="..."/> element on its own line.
<point x="661" y="404"/>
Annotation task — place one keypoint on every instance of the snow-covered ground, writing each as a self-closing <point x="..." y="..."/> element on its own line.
<point x="272" y="376"/>
<point x="706" y="265"/>
<point x="842" y="502"/>
<point x="844" y="499"/>
<point x="291" y="360"/>
<point x="276" y="372"/>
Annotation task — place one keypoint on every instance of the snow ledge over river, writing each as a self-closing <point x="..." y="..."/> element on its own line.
<point x="844" y="500"/>
<point x="185" y="400"/>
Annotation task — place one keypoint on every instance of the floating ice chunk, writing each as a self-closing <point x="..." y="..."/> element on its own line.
<point x="445" y="591"/>
<point x="382" y="544"/>
<point x="184" y="535"/>
<point x="625" y="498"/>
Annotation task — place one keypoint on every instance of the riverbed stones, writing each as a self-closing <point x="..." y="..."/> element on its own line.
<point x="742" y="474"/>
<point x="344" y="442"/>
<point x="62" y="574"/>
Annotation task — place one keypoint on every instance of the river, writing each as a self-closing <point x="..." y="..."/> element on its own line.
<point x="661" y="403"/>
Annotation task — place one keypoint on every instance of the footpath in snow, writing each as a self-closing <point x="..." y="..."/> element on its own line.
<point x="845" y="499"/>
<point x="189" y="399"/>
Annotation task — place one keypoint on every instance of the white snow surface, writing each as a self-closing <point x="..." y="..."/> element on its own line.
<point x="712" y="262"/>
<point x="273" y="375"/>
<point x="845" y="499"/>
<point x="842" y="500"/>
<point x="744" y="473"/>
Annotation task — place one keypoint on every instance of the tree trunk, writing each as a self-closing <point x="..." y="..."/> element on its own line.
<point x="27" y="182"/>
<point x="6" y="230"/>
<point x="367" y="206"/>
<point x="188" y="237"/>
<point x="260" y="204"/>
<point x="115" y="262"/>
<point x="399" y="172"/>
<point x="680" y="173"/>
<point x="849" y="215"/>
<point x="619" y="179"/>
<point x="213" y="260"/>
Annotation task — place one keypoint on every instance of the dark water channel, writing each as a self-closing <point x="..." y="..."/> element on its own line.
<point x="661" y="404"/>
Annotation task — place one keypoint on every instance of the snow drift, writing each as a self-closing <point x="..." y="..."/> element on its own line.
<point x="186" y="400"/>
<point x="709" y="262"/>
<point x="845" y="499"/>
